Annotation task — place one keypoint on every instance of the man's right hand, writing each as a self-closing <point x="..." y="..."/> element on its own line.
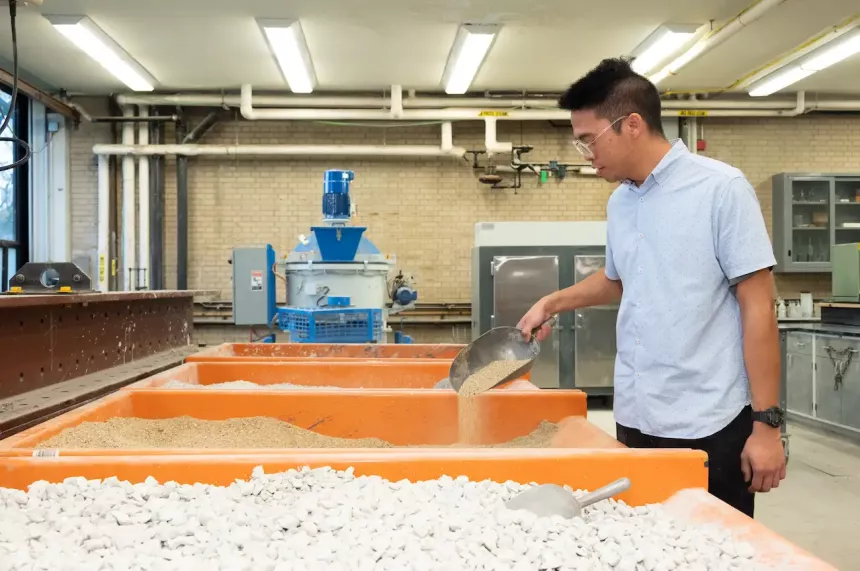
<point x="534" y="318"/>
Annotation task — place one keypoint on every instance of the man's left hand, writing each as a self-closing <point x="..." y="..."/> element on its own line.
<point x="763" y="458"/>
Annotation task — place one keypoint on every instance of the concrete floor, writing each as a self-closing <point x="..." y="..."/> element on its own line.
<point x="821" y="485"/>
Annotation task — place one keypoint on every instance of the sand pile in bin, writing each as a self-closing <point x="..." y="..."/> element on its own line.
<point x="267" y="432"/>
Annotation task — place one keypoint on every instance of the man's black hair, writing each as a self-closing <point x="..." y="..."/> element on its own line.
<point x="613" y="90"/>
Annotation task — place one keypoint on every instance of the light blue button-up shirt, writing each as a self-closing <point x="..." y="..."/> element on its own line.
<point x="678" y="243"/>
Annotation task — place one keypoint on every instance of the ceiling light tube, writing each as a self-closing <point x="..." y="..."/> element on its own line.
<point x="287" y="43"/>
<point x="664" y="42"/>
<point x="470" y="49"/>
<point x="94" y="42"/>
<point x="827" y="55"/>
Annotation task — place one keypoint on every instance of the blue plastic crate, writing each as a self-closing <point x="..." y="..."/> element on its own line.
<point x="331" y="325"/>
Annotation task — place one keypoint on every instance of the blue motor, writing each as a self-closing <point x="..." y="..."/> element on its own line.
<point x="404" y="295"/>
<point x="335" y="200"/>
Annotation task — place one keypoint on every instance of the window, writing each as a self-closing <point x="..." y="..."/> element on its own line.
<point x="8" y="230"/>
<point x="13" y="190"/>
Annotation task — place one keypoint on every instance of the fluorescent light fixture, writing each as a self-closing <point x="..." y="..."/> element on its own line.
<point x="470" y="48"/>
<point x="287" y="42"/>
<point x="92" y="40"/>
<point x="663" y="42"/>
<point x="827" y="55"/>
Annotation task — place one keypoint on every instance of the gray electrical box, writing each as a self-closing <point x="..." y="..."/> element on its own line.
<point x="253" y="285"/>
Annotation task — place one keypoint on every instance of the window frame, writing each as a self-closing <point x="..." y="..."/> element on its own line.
<point x="21" y="192"/>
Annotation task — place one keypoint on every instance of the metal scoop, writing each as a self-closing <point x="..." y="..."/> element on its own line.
<point x="497" y="344"/>
<point x="549" y="499"/>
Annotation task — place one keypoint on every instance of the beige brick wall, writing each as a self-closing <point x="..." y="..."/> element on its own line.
<point x="424" y="210"/>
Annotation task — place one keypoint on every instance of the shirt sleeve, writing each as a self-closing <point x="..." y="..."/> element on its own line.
<point x="742" y="244"/>
<point x="609" y="267"/>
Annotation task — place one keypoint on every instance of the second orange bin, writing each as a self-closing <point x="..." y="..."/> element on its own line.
<point x="403" y="418"/>
<point x="291" y="351"/>
<point x="357" y="374"/>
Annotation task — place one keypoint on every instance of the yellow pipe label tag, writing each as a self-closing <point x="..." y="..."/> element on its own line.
<point x="692" y="113"/>
<point x="65" y="289"/>
<point x="113" y="267"/>
<point x="493" y="114"/>
<point x="15" y="289"/>
<point x="102" y="268"/>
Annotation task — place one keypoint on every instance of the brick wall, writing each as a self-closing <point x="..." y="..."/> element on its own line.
<point x="424" y="210"/>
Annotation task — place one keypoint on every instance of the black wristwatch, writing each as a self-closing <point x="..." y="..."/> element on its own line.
<point x="774" y="416"/>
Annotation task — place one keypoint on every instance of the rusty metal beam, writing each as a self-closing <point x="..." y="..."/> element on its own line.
<point x="42" y="97"/>
<point x="50" y="339"/>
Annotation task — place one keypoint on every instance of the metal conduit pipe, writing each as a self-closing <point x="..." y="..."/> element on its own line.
<point x="103" y="261"/>
<point x="156" y="209"/>
<point x="251" y="113"/>
<point x="188" y="148"/>
<point x="181" y="212"/>
<point x="191" y="150"/>
<point x="379" y="103"/>
<point x="717" y="37"/>
<point x="128" y="207"/>
<point x="142" y="277"/>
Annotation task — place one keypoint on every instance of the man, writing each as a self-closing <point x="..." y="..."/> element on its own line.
<point x="698" y="350"/>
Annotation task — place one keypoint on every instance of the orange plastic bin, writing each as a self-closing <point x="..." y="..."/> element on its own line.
<point x="293" y="351"/>
<point x="674" y="477"/>
<point x="402" y="418"/>
<point x="355" y="374"/>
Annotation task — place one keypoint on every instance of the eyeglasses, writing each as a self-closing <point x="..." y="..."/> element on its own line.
<point x="585" y="148"/>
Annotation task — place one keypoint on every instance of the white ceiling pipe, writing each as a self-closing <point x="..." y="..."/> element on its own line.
<point x="321" y="101"/>
<point x="447" y="136"/>
<point x="281" y="150"/>
<point x="727" y="104"/>
<point x="142" y="277"/>
<point x="490" y="139"/>
<point x="834" y="106"/>
<point x="798" y="109"/>
<point x="251" y="113"/>
<point x="712" y="40"/>
<point x="383" y="103"/>
<point x="128" y="206"/>
<point x="396" y="101"/>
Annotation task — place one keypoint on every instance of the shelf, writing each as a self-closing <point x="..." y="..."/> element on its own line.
<point x="843" y="228"/>
<point x="847" y="203"/>
<point x="812" y="228"/>
<point x="798" y="203"/>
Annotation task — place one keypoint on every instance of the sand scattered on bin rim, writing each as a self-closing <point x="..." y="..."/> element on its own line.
<point x="247" y="385"/>
<point x="468" y="412"/>
<point x="250" y="432"/>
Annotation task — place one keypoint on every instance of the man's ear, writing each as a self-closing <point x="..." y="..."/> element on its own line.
<point x="635" y="125"/>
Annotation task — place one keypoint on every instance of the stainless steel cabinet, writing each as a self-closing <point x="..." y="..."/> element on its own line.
<point x="595" y="339"/>
<point x="518" y="282"/>
<point x="799" y="372"/>
<point x="836" y="360"/>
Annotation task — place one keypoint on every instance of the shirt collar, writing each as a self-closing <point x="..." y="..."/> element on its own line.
<point x="663" y="169"/>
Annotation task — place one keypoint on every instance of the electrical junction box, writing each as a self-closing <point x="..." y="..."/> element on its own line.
<point x="253" y="285"/>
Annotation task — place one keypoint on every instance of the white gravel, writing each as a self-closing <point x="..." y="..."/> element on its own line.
<point x="245" y="385"/>
<point x="322" y="519"/>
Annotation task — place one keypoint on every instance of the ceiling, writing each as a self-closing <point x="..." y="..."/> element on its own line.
<point x="543" y="44"/>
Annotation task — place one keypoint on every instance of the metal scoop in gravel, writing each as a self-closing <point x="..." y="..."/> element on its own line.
<point x="497" y="344"/>
<point x="549" y="499"/>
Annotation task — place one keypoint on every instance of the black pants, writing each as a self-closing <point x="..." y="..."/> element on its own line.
<point x="725" y="478"/>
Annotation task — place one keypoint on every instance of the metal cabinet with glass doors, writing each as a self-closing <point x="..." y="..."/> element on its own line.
<point x="811" y="212"/>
